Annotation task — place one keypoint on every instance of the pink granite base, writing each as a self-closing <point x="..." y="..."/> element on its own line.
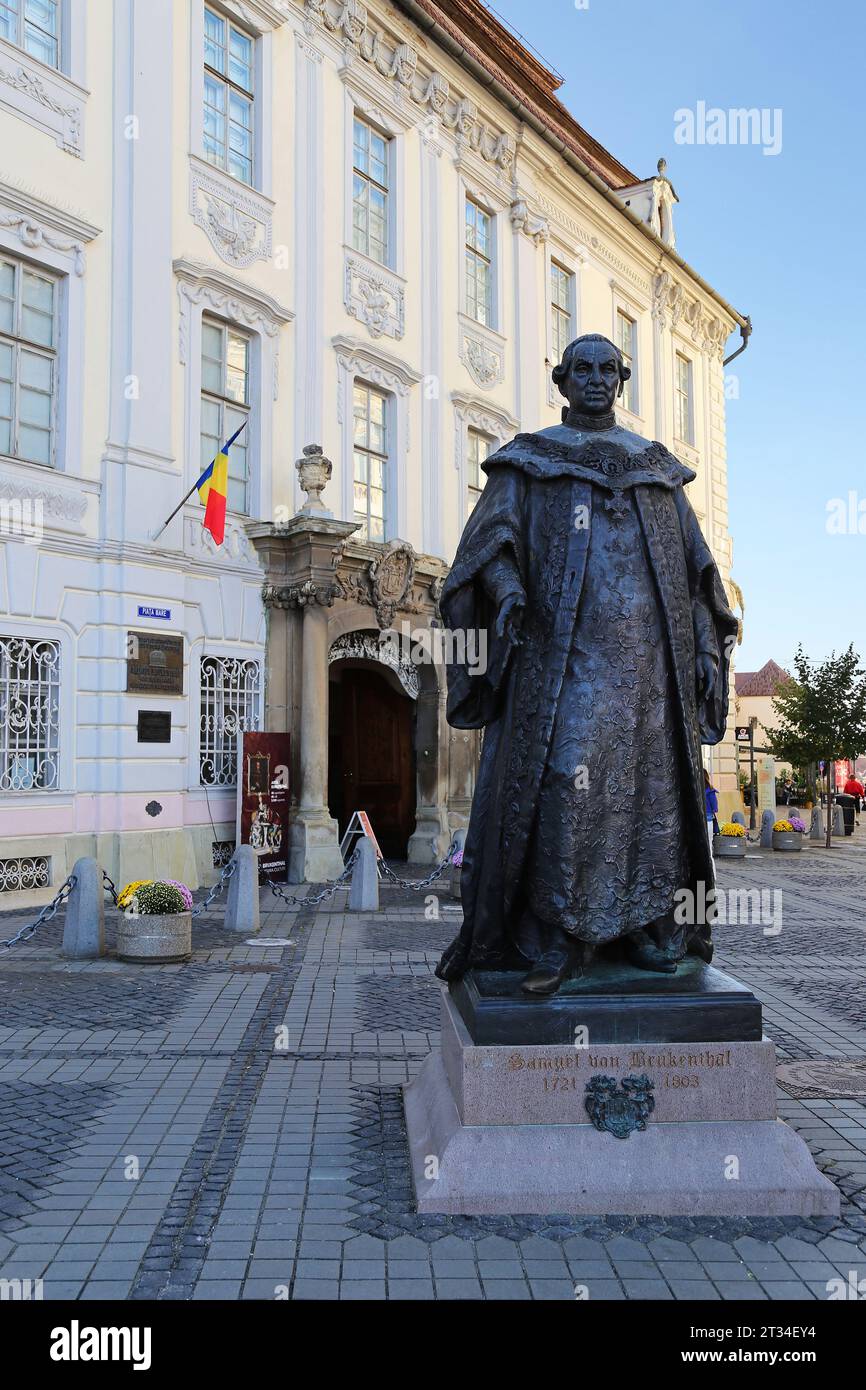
<point x="497" y="1130"/>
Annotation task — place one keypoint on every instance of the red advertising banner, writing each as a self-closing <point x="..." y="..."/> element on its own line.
<point x="263" y="801"/>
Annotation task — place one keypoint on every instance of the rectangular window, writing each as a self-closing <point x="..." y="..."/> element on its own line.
<point x="29" y="714"/>
<point x="479" y="263"/>
<point x="683" y="425"/>
<point x="228" y="96"/>
<point x="230" y="705"/>
<point x="28" y="362"/>
<point x="33" y="25"/>
<point x="370" y="461"/>
<point x="626" y="341"/>
<point x="561" y="309"/>
<point x="225" y="404"/>
<point x="478" y="449"/>
<point x="370" y="186"/>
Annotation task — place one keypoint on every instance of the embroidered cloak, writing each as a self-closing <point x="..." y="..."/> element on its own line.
<point x="589" y="805"/>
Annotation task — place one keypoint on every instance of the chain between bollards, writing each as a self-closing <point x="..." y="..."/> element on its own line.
<point x="416" y="884"/>
<point x="327" y="892"/>
<point x="217" y="889"/>
<point x="48" y="911"/>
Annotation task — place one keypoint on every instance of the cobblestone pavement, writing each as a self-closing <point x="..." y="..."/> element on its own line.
<point x="232" y="1127"/>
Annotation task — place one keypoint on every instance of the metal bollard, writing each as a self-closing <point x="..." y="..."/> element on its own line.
<point x="242" y="905"/>
<point x="84" y="926"/>
<point x="739" y="819"/>
<point x="816" y="829"/>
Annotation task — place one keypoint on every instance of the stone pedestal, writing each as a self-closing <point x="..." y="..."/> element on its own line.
<point x="504" y="1129"/>
<point x="616" y="1003"/>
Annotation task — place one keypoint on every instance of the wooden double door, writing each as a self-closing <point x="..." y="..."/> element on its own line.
<point x="371" y="759"/>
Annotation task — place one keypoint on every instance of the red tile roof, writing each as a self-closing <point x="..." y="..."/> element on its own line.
<point x="482" y="37"/>
<point x="763" y="682"/>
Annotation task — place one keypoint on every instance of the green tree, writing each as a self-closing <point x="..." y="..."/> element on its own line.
<point x="822" y="713"/>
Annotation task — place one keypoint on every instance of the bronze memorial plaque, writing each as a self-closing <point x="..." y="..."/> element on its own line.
<point x="154" y="663"/>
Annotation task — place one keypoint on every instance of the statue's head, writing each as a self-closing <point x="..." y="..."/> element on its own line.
<point x="591" y="374"/>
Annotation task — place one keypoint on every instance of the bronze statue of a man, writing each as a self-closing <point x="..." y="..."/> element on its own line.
<point x="609" y="637"/>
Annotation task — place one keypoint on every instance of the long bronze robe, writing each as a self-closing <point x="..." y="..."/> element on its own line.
<point x="589" y="806"/>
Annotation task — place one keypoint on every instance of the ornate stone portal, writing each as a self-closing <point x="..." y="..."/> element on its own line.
<point x="326" y="594"/>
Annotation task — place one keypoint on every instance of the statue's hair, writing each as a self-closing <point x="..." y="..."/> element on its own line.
<point x="560" y="373"/>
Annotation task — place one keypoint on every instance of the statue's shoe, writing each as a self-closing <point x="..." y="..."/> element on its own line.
<point x="549" y="972"/>
<point x="454" y="962"/>
<point x="646" y="956"/>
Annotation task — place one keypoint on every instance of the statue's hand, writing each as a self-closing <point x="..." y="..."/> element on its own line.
<point x="509" y="620"/>
<point x="707" y="670"/>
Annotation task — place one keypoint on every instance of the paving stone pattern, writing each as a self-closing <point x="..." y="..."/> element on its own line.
<point x="233" y="1127"/>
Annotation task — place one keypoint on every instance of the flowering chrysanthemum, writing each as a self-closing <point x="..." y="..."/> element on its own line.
<point x="155" y="898"/>
<point x="126" y="895"/>
<point x="183" y="890"/>
<point x="782" y="826"/>
<point x="732" y="830"/>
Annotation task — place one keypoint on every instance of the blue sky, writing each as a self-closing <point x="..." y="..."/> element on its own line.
<point x="781" y="237"/>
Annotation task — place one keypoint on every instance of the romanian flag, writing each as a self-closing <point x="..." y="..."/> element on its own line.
<point x="213" y="486"/>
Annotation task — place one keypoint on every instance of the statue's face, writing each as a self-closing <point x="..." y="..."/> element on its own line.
<point x="593" y="379"/>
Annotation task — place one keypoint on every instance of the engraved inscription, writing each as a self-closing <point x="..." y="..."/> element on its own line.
<point x="681" y="1070"/>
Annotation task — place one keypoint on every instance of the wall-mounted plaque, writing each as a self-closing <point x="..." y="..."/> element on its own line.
<point x="154" y="663"/>
<point x="154" y="726"/>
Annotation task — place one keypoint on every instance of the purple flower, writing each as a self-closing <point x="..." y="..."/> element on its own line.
<point x="798" y="824"/>
<point x="183" y="890"/>
<point x="457" y="861"/>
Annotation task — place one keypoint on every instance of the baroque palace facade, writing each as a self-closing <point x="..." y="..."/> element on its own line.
<point x="363" y="230"/>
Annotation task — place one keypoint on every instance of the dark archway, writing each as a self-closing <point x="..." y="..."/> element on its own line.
<point x="371" y="752"/>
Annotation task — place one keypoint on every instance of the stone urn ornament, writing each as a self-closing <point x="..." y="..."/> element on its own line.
<point x="314" y="474"/>
<point x="788" y="835"/>
<point x="155" y="925"/>
<point x="730" y="843"/>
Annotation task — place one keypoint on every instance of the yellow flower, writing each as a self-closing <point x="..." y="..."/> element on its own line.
<point x="732" y="829"/>
<point x="782" y="825"/>
<point x="125" y="897"/>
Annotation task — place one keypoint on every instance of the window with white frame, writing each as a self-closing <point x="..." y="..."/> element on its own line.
<point x="370" y="190"/>
<point x="478" y="251"/>
<point x="626" y="341"/>
<point x="29" y="714"/>
<point x="561" y="309"/>
<point x="230" y="705"/>
<point x="33" y="25"/>
<point x="370" y="470"/>
<point x="684" y="405"/>
<point x="28" y="361"/>
<point x="229" y="57"/>
<point x="225" y="403"/>
<point x="478" y="448"/>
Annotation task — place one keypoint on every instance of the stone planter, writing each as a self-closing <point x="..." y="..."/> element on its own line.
<point x="788" y="840"/>
<point x="155" y="938"/>
<point x="729" y="846"/>
<point x="456" y="875"/>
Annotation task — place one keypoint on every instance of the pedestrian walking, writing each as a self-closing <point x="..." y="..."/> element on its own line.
<point x="854" y="787"/>
<point x="711" y="801"/>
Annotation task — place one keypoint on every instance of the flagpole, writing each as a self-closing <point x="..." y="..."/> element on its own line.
<point x="156" y="535"/>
